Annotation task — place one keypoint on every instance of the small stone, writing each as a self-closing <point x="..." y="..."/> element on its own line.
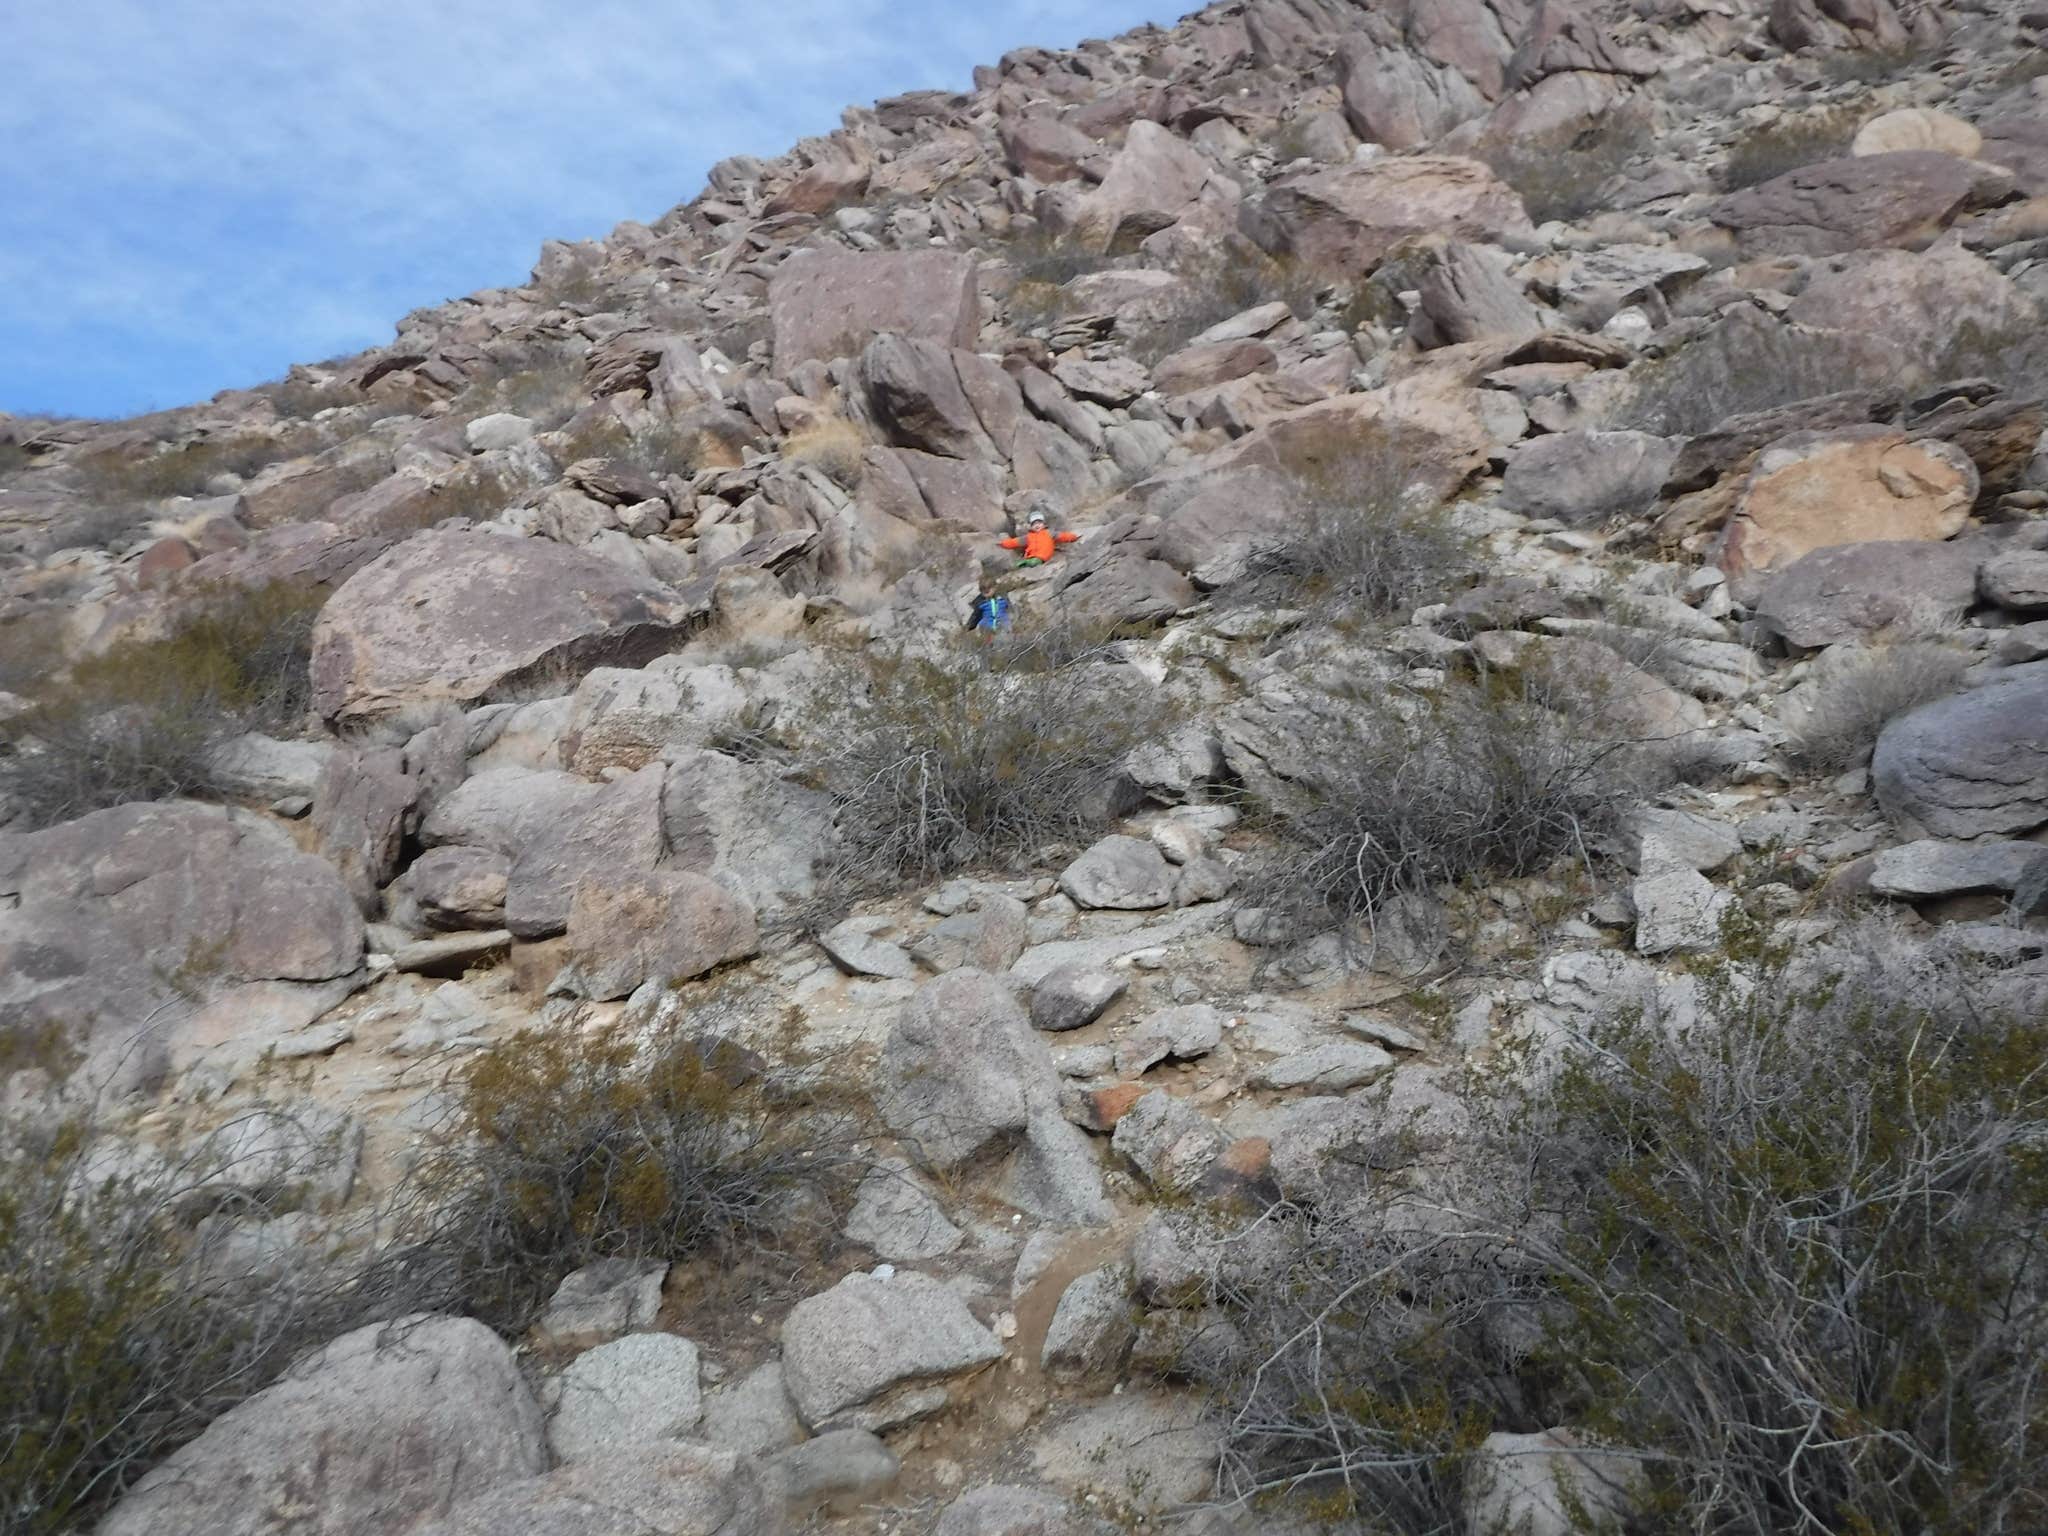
<point x="1334" y="1068"/>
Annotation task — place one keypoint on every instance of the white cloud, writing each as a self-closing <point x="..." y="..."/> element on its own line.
<point x="252" y="174"/>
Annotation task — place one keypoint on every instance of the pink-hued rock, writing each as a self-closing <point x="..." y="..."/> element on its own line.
<point x="832" y="306"/>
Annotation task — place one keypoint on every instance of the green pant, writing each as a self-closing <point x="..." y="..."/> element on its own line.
<point x="1033" y="561"/>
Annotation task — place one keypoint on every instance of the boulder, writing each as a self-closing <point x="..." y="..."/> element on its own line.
<point x="639" y="1388"/>
<point x="497" y="431"/>
<point x="648" y="1490"/>
<point x="1918" y="301"/>
<point x="603" y="1300"/>
<point x="753" y="1415"/>
<point x="1207" y="364"/>
<point x="872" y="1353"/>
<point x="1677" y="909"/>
<point x="663" y="925"/>
<point x="1899" y="199"/>
<point x="396" y="1422"/>
<point x="147" y="930"/>
<point x="597" y="836"/>
<point x="1931" y="868"/>
<point x="449" y="617"/>
<point x="1126" y="874"/>
<point x="2017" y="579"/>
<point x="460" y="887"/>
<point x="955" y="1068"/>
<point x="1917" y="128"/>
<point x="1153" y="1450"/>
<point x="1345" y="219"/>
<point x="1093" y="1325"/>
<point x="1182" y="1033"/>
<point x="1047" y="150"/>
<point x="744" y="825"/>
<point x="1072" y="998"/>
<point x="895" y="1216"/>
<point x="1399" y="98"/>
<point x="988" y="936"/>
<point x="1970" y="765"/>
<point x="1172" y="1144"/>
<point x="1851" y="486"/>
<point x="1583" y="478"/>
<point x="853" y="947"/>
<point x="1003" y="1510"/>
<point x="839" y="1471"/>
<point x="1337" y="1067"/>
<point x="1153" y="181"/>
<point x="1847" y="592"/>
<point x="824" y="307"/>
<point x="1467" y="295"/>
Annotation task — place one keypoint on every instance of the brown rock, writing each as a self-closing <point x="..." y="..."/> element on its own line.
<point x="832" y="306"/>
<point x="1345" y="219"/>
<point x="451" y="616"/>
<point x="1910" y="128"/>
<point x="1212" y="363"/>
<point x="1046" y="149"/>
<point x="1903" y="199"/>
<point x="1099" y="1109"/>
<point x="1154" y="181"/>
<point x="1853" y="486"/>
<point x="662" y="925"/>
<point x="162" y="560"/>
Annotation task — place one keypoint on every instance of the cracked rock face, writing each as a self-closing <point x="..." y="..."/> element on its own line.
<point x="1969" y="765"/>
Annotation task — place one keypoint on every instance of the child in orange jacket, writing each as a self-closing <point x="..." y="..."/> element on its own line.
<point x="1038" y="542"/>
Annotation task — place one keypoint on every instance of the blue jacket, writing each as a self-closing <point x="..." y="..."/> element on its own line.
<point x="989" y="613"/>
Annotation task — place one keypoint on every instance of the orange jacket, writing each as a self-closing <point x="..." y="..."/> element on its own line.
<point x="1038" y="543"/>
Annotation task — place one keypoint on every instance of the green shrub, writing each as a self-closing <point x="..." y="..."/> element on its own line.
<point x="980" y="756"/>
<point x="1360" y="539"/>
<point x="1229" y="278"/>
<point x="124" y="1327"/>
<point x="1392" y="794"/>
<point x="1787" y="1258"/>
<point x="1564" y="177"/>
<point x="139" y="720"/>
<point x="566" y="1147"/>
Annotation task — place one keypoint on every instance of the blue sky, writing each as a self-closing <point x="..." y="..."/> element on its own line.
<point x="195" y="194"/>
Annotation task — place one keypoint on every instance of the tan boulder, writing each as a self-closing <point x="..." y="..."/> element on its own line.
<point x="662" y="925"/>
<point x="832" y="306"/>
<point x="1154" y="181"/>
<point x="1814" y="490"/>
<point x="1346" y="218"/>
<point x="1917" y="128"/>
<point x="448" y="617"/>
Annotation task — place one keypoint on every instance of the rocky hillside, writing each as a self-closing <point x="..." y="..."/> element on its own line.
<point x="1464" y="959"/>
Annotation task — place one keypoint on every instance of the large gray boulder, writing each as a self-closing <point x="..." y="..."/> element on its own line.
<point x="872" y="1353"/>
<point x="965" y="1079"/>
<point x="957" y="1068"/>
<point x="1125" y="873"/>
<point x="1969" y="765"/>
<point x="832" y="306"/>
<point x="148" y="928"/>
<point x="384" y="1427"/>
<point x="1005" y="1510"/>
<point x="646" y="1490"/>
<point x="451" y="617"/>
<point x="1930" y="867"/>
<point x="1857" y="202"/>
<point x="1584" y="477"/>
<point x="895" y="1216"/>
<point x="639" y="1388"/>
<point x="1847" y="592"/>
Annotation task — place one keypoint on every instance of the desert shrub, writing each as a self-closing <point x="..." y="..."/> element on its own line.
<point x="1850" y="701"/>
<point x="1054" y="260"/>
<point x="1788" y="142"/>
<point x="1784" y="1261"/>
<point x="656" y="449"/>
<point x="13" y="458"/>
<point x="565" y="1147"/>
<point x="1229" y="278"/>
<point x="1564" y="177"/>
<point x="139" y="720"/>
<point x="971" y="758"/>
<point x="832" y="445"/>
<point x="124" y="1326"/>
<point x="1874" y="66"/>
<point x="155" y="471"/>
<point x="1702" y="387"/>
<point x="31" y="649"/>
<point x="1393" y="794"/>
<point x="1360" y="538"/>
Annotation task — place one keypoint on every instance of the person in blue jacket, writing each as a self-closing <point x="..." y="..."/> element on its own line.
<point x="991" y="610"/>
